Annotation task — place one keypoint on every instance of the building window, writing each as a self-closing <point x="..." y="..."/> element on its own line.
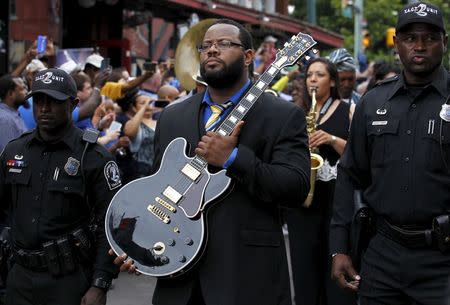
<point x="12" y="10"/>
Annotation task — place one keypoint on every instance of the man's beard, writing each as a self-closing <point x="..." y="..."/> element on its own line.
<point x="225" y="78"/>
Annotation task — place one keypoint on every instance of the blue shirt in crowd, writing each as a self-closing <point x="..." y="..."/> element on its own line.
<point x="11" y="125"/>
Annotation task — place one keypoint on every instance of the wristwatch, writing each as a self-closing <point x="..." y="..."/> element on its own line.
<point x="333" y="139"/>
<point x="101" y="283"/>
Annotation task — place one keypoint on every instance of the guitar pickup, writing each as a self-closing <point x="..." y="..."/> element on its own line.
<point x="191" y="172"/>
<point x="158" y="213"/>
<point x="172" y="194"/>
<point x="165" y="204"/>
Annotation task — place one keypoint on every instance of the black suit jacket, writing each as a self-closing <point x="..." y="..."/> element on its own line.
<point x="245" y="260"/>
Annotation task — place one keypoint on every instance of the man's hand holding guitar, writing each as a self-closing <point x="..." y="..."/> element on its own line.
<point x="215" y="148"/>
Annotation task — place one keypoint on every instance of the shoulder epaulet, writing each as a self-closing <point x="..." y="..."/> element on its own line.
<point x="388" y="80"/>
<point x="100" y="149"/>
<point x="26" y="133"/>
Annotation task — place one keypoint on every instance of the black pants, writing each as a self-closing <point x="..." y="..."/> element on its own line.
<point x="196" y="297"/>
<point x="311" y="262"/>
<point x="26" y="287"/>
<point x="394" y="275"/>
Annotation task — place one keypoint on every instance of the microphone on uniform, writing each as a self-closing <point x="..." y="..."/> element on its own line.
<point x="445" y="111"/>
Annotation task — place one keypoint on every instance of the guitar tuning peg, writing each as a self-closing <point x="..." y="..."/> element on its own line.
<point x="286" y="44"/>
<point x="315" y="51"/>
<point x="293" y="37"/>
<point x="307" y="57"/>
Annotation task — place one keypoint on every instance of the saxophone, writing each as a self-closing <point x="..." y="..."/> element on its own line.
<point x="316" y="159"/>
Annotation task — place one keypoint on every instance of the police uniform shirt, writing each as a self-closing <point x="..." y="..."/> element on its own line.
<point x="396" y="158"/>
<point x="42" y="185"/>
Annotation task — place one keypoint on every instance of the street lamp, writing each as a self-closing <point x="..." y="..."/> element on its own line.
<point x="358" y="8"/>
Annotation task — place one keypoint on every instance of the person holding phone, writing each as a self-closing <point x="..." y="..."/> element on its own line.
<point x="140" y="129"/>
<point x="117" y="86"/>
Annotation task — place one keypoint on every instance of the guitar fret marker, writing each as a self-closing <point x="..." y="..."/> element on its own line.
<point x="233" y="119"/>
<point x="281" y="61"/>
<point x="241" y="109"/>
<point x="250" y="97"/>
<point x="172" y="194"/>
<point x="272" y="70"/>
<point x="191" y="172"/>
<point x="260" y="85"/>
<point x="222" y="132"/>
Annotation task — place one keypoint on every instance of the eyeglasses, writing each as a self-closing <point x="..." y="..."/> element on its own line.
<point x="220" y="45"/>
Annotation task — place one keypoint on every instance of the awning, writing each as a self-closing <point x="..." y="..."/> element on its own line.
<point x="274" y="21"/>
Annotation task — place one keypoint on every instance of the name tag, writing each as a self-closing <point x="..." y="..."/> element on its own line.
<point x="379" y="123"/>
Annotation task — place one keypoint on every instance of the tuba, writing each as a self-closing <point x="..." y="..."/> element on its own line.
<point x="316" y="159"/>
<point x="187" y="59"/>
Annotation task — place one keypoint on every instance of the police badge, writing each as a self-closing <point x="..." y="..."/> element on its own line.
<point x="112" y="175"/>
<point x="72" y="166"/>
<point x="445" y="113"/>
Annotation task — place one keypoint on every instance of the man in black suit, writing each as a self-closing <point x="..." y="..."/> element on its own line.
<point x="268" y="159"/>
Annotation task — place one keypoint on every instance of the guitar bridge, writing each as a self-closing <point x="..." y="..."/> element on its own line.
<point x="158" y="213"/>
<point x="165" y="204"/>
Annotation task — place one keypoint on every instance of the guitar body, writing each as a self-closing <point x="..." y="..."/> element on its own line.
<point x="164" y="238"/>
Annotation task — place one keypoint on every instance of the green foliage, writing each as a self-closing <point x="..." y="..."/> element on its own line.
<point x="379" y="15"/>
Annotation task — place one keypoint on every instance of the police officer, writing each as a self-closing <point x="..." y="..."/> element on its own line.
<point x="399" y="153"/>
<point x="56" y="183"/>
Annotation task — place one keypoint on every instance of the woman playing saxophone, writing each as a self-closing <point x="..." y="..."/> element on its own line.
<point x="308" y="227"/>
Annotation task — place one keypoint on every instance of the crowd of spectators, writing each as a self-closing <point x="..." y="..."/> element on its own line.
<point x="111" y="97"/>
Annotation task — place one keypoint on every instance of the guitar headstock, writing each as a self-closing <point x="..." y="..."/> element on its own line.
<point x="293" y="50"/>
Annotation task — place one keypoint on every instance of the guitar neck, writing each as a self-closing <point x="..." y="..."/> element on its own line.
<point x="247" y="102"/>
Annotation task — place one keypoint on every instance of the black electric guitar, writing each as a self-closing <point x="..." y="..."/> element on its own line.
<point x="159" y="220"/>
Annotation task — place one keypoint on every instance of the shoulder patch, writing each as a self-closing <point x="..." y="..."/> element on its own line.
<point x="112" y="175"/>
<point x="388" y="80"/>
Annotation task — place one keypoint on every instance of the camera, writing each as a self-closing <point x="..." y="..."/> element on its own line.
<point x="149" y="66"/>
<point x="105" y="64"/>
<point x="161" y="103"/>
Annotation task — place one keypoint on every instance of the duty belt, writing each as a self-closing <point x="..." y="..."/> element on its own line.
<point x="410" y="238"/>
<point x="58" y="256"/>
<point x="33" y="260"/>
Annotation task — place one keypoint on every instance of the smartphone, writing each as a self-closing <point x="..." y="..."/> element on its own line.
<point x="105" y="64"/>
<point x="115" y="126"/>
<point x="41" y="44"/>
<point x="150" y="66"/>
<point x="161" y="103"/>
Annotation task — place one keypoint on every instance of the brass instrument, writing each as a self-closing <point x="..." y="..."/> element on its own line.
<point x="187" y="59"/>
<point x="316" y="159"/>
